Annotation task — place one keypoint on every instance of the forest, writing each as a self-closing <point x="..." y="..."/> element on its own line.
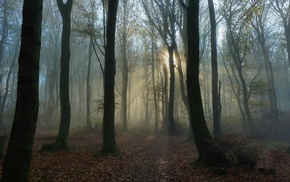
<point x="144" y="90"/>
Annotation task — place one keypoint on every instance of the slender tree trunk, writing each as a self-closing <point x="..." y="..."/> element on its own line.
<point x="125" y="66"/>
<point x="163" y="103"/>
<point x="88" y="85"/>
<point x="6" y="90"/>
<point x="165" y="94"/>
<point x="129" y="99"/>
<point x="124" y="94"/>
<point x="183" y="93"/>
<point x="156" y="109"/>
<point x="172" y="128"/>
<point x="237" y="95"/>
<point x="146" y="98"/>
<point x="287" y="35"/>
<point x="214" y="67"/>
<point x="270" y="77"/>
<point x="237" y="59"/>
<point x="246" y="102"/>
<point x="17" y="160"/>
<point x="109" y="141"/>
<point x="63" y="132"/>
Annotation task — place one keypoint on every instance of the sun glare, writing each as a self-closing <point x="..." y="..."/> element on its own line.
<point x="165" y="59"/>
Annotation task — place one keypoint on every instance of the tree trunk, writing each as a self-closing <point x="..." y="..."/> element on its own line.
<point x="287" y="35"/>
<point x="146" y="97"/>
<point x="63" y="132"/>
<point x="237" y="95"/>
<point x="238" y="62"/>
<point x="109" y="141"/>
<point x="208" y="151"/>
<point x="172" y="128"/>
<point x="17" y="160"/>
<point x="214" y="66"/>
<point x="125" y="66"/>
<point x="156" y="116"/>
<point x="6" y="90"/>
<point x="269" y="71"/>
<point x="163" y="102"/>
<point x="165" y="99"/>
<point x="183" y="92"/>
<point x="88" y="85"/>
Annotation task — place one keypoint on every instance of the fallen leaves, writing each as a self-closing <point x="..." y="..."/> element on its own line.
<point x="144" y="158"/>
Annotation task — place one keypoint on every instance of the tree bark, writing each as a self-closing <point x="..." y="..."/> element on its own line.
<point x="63" y="132"/>
<point x="88" y="85"/>
<point x="156" y="116"/>
<point x="208" y="152"/>
<point x="109" y="141"/>
<point x="214" y="66"/>
<point x="172" y="128"/>
<point x="124" y="66"/>
<point x="17" y="160"/>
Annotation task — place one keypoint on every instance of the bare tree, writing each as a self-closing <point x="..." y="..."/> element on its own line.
<point x="282" y="7"/>
<point x="236" y="18"/>
<point x="259" y="24"/>
<point x="165" y="24"/>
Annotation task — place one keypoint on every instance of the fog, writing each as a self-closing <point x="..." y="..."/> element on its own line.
<point x="266" y="80"/>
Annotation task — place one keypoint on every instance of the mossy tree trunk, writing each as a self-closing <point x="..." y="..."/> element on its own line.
<point x="17" y="160"/>
<point x="209" y="153"/>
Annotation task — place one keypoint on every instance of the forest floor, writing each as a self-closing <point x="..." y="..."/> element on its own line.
<point x="143" y="158"/>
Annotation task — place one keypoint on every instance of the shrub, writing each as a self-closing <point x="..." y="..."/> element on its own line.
<point x="243" y="151"/>
<point x="248" y="155"/>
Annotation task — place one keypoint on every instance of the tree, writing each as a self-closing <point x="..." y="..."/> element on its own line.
<point x="166" y="27"/>
<point x="88" y="86"/>
<point x="65" y="109"/>
<point x="259" y="24"/>
<point x="109" y="141"/>
<point x="182" y="25"/>
<point x="65" y="11"/>
<point x="124" y="42"/>
<point x="236" y="17"/>
<point x="50" y="54"/>
<point x="17" y="160"/>
<point x="216" y="107"/>
<point x="282" y="8"/>
<point x="208" y="151"/>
